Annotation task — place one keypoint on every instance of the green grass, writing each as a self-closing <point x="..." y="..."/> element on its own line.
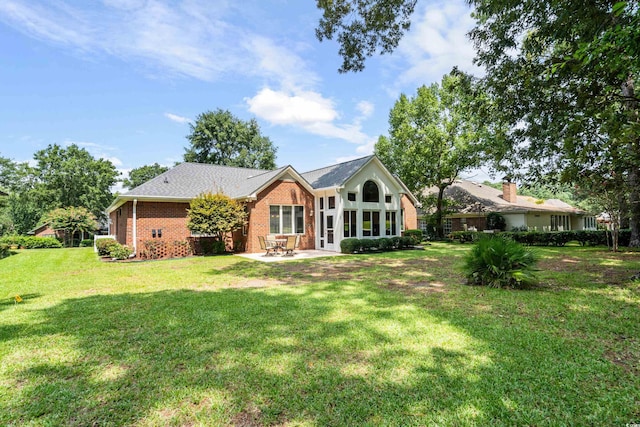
<point x="381" y="339"/>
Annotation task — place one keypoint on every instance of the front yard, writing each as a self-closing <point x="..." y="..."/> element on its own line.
<point x="381" y="339"/>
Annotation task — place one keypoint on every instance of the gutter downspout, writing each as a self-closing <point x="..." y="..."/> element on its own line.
<point x="135" y="227"/>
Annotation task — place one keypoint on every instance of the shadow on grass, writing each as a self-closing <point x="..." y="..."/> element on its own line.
<point x="328" y="354"/>
<point x="13" y="300"/>
<point x="242" y="357"/>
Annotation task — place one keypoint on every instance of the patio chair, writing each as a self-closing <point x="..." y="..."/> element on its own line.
<point x="290" y="246"/>
<point x="270" y="247"/>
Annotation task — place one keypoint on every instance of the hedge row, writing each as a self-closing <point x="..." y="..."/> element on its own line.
<point x="352" y="245"/>
<point x="553" y="238"/>
<point x="31" y="242"/>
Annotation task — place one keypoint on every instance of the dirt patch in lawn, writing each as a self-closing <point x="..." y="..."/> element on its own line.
<point x="604" y="268"/>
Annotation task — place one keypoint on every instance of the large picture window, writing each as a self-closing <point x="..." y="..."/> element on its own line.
<point x="285" y="219"/>
<point x="370" y="223"/>
<point x="370" y="192"/>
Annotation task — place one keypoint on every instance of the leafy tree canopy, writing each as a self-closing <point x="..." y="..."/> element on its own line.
<point x="216" y="215"/>
<point x="363" y="27"/>
<point x="71" y="219"/>
<point x="139" y="176"/>
<point x="72" y="177"/>
<point x="433" y="136"/>
<point x="220" y="138"/>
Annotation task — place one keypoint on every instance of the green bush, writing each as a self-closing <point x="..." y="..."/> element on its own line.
<point x="86" y="243"/>
<point x="496" y="221"/>
<point x="104" y="246"/>
<point x="5" y="250"/>
<point x="119" y="251"/>
<point x="350" y="245"/>
<point x="385" y="244"/>
<point x="465" y="236"/>
<point x="212" y="246"/>
<point x="415" y="234"/>
<point x="500" y="262"/>
<point x="31" y="242"/>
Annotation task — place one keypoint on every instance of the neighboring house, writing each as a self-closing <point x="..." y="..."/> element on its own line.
<point x="359" y="198"/>
<point x="45" y="230"/>
<point x="471" y="202"/>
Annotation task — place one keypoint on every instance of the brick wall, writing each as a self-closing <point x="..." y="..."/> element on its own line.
<point x="170" y="218"/>
<point x="410" y="213"/>
<point x="47" y="231"/>
<point x="279" y="193"/>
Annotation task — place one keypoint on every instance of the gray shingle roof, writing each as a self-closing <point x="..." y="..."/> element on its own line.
<point x="335" y="175"/>
<point x="467" y="193"/>
<point x="188" y="180"/>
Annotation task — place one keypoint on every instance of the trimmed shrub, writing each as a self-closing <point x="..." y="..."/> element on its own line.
<point x="211" y="246"/>
<point x="119" y="252"/>
<point x="5" y="250"/>
<point x="86" y="243"/>
<point x="415" y="234"/>
<point x="500" y="262"/>
<point x="385" y="244"/>
<point x="350" y="245"/>
<point x="496" y="221"/>
<point x="366" y="244"/>
<point x="104" y="246"/>
<point x="31" y="242"/>
<point x="465" y="236"/>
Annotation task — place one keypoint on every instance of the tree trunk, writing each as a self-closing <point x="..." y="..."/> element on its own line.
<point x="628" y="90"/>
<point x="634" y="202"/>
<point x="439" y="228"/>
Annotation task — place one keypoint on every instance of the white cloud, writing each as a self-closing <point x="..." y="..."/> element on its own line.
<point x="365" y="108"/>
<point x="178" y="119"/>
<point x="437" y="42"/>
<point x="190" y="38"/>
<point x="283" y="108"/>
<point x="307" y="110"/>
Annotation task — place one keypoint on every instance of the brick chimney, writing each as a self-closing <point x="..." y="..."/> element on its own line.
<point x="509" y="192"/>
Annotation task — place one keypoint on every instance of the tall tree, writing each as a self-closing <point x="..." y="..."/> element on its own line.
<point x="563" y="72"/>
<point x="222" y="139"/>
<point x="139" y="176"/>
<point x="432" y="137"/>
<point x="73" y="177"/>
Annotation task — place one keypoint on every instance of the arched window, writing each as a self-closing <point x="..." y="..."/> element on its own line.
<point x="370" y="192"/>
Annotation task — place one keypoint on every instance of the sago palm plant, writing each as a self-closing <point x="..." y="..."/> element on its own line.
<point x="499" y="262"/>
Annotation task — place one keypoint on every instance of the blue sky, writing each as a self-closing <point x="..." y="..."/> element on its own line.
<point x="123" y="78"/>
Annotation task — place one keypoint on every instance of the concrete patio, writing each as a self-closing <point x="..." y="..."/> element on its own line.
<point x="297" y="255"/>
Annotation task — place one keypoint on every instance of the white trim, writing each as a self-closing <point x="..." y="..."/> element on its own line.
<point x="135" y="226"/>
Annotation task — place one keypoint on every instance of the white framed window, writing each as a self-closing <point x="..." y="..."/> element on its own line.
<point x="446" y="226"/>
<point x="286" y="219"/>
<point x="350" y="223"/>
<point x="370" y="223"/>
<point x="560" y="223"/>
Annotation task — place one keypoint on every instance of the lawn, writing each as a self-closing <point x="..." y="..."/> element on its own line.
<point x="381" y="339"/>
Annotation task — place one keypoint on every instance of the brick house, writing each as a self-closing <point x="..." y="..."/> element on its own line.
<point x="359" y="198"/>
<point x="471" y="202"/>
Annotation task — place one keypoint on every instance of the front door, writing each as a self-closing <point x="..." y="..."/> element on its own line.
<point x="330" y="246"/>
